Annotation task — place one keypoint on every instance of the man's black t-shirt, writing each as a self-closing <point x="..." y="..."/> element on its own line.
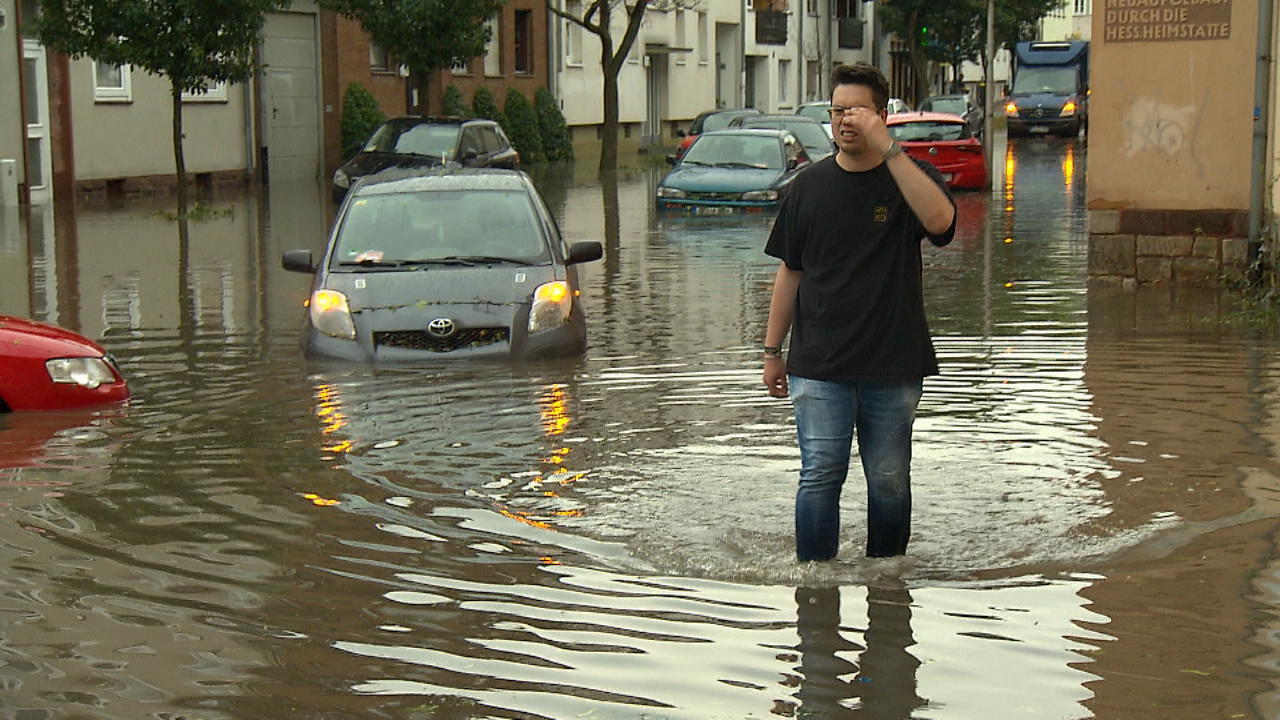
<point x="860" y="305"/>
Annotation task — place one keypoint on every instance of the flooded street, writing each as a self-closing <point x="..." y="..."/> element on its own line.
<point x="256" y="536"/>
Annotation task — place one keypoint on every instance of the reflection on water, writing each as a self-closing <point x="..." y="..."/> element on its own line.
<point x="256" y="536"/>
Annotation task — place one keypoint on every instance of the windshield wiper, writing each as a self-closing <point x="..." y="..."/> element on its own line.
<point x="369" y="262"/>
<point x="460" y="260"/>
<point x="757" y="166"/>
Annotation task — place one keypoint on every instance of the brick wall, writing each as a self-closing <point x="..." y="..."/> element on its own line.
<point x="1148" y="247"/>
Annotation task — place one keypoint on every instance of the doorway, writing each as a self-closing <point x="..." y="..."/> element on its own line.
<point x="35" y="104"/>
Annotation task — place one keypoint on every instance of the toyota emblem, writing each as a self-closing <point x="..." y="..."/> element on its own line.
<point x="441" y="327"/>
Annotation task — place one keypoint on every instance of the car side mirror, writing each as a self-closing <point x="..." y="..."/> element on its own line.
<point x="469" y="154"/>
<point x="298" y="261"/>
<point x="1004" y="91"/>
<point x="671" y="159"/>
<point x="680" y="133"/>
<point x="585" y="251"/>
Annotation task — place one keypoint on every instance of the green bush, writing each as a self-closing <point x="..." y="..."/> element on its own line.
<point x="360" y="117"/>
<point x="522" y="127"/>
<point x="483" y="105"/>
<point x="556" y="143"/>
<point x="453" y="104"/>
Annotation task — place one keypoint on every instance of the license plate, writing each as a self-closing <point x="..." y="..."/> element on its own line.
<point x="948" y="177"/>
<point x="711" y="210"/>
<point x="1039" y="129"/>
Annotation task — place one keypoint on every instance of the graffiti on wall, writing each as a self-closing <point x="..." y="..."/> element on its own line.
<point x="1151" y="125"/>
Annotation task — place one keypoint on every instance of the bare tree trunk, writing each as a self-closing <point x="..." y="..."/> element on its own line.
<point x="424" y="87"/>
<point x="179" y="160"/>
<point x="609" y="135"/>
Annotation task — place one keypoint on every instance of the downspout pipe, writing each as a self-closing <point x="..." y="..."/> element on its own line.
<point x="1261" y="126"/>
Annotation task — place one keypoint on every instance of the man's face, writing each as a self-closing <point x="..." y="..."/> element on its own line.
<point x="849" y="140"/>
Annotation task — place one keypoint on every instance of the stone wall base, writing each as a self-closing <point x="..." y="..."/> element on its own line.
<point x="1151" y="247"/>
<point x="143" y="185"/>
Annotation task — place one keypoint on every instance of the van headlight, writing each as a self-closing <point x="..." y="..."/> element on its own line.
<point x="87" y="372"/>
<point x="341" y="179"/>
<point x="1068" y="109"/>
<point x="331" y="315"/>
<point x="759" y="195"/>
<point x="670" y="192"/>
<point x="551" y="305"/>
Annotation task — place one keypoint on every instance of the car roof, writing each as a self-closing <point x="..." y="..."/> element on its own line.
<point x="436" y="120"/>
<point x="780" y="117"/>
<point x="923" y="116"/>
<point x="759" y="132"/>
<point x="396" y="180"/>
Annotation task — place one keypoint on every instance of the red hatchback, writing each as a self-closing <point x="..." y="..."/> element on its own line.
<point x="43" y="367"/>
<point x="943" y="140"/>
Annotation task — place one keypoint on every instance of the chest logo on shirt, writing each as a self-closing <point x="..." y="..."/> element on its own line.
<point x="881" y="214"/>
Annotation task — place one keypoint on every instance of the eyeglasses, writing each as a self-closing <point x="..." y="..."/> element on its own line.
<point x="838" y="111"/>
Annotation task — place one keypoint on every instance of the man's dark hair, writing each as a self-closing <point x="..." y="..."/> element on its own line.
<point x="863" y="74"/>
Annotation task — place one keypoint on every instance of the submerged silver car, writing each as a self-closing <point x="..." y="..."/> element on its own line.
<point x="450" y="263"/>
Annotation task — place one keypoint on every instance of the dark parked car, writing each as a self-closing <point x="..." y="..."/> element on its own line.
<point x="43" y="367"/>
<point x="959" y="104"/>
<point x="423" y="142"/>
<point x="733" y="170"/>
<point x="455" y="262"/>
<point x="710" y="120"/>
<point x="816" y="140"/>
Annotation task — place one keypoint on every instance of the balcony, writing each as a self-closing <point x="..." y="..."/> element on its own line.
<point x="850" y="33"/>
<point x="771" y="27"/>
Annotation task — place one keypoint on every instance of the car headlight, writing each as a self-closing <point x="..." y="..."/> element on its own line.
<point x="1069" y="109"/>
<point x="87" y="372"/>
<point x="341" y="179"/>
<point x="758" y="195"/>
<point x="1011" y="110"/>
<point x="331" y="315"/>
<point x="551" y="305"/>
<point x="670" y="192"/>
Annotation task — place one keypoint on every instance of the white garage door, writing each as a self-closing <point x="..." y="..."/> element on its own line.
<point x="290" y="98"/>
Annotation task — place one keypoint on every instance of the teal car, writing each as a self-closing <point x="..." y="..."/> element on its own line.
<point x="728" y="171"/>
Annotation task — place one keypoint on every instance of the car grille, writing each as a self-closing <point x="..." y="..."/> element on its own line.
<point x="724" y="196"/>
<point x="423" y="340"/>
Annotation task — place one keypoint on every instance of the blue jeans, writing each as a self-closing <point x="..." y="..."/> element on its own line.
<point x="827" y="415"/>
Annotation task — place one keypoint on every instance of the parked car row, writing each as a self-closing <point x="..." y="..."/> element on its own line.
<point x="442" y="248"/>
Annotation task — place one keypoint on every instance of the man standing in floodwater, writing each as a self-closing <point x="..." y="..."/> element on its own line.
<point x="849" y="291"/>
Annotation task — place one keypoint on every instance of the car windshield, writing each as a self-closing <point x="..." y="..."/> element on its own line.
<point x="817" y="112"/>
<point x="927" y="130"/>
<point x="955" y="106"/>
<point x="809" y="134"/>
<point x="719" y="121"/>
<point x="439" y="225"/>
<point x="1033" y="79"/>
<point x="420" y="139"/>
<point x="735" y="150"/>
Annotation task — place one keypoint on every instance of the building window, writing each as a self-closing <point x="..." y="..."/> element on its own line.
<point x="681" y="36"/>
<point x="573" y="34"/>
<point x="702" y="37"/>
<point x="847" y="9"/>
<point x="811" y="7"/>
<point x="111" y="83"/>
<point x="213" y="92"/>
<point x="523" y="37"/>
<point x="379" y="60"/>
<point x="784" y="82"/>
<point x="493" y="49"/>
<point x="1084" y="7"/>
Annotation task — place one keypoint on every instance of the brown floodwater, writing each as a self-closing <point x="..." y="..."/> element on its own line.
<point x="255" y="536"/>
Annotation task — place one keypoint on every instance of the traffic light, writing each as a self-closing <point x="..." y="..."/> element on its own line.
<point x="926" y="37"/>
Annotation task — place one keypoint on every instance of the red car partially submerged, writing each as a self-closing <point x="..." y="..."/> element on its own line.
<point x="943" y="140"/>
<point x="43" y="367"/>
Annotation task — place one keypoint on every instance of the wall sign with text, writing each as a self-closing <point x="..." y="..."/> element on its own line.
<point x="1161" y="20"/>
